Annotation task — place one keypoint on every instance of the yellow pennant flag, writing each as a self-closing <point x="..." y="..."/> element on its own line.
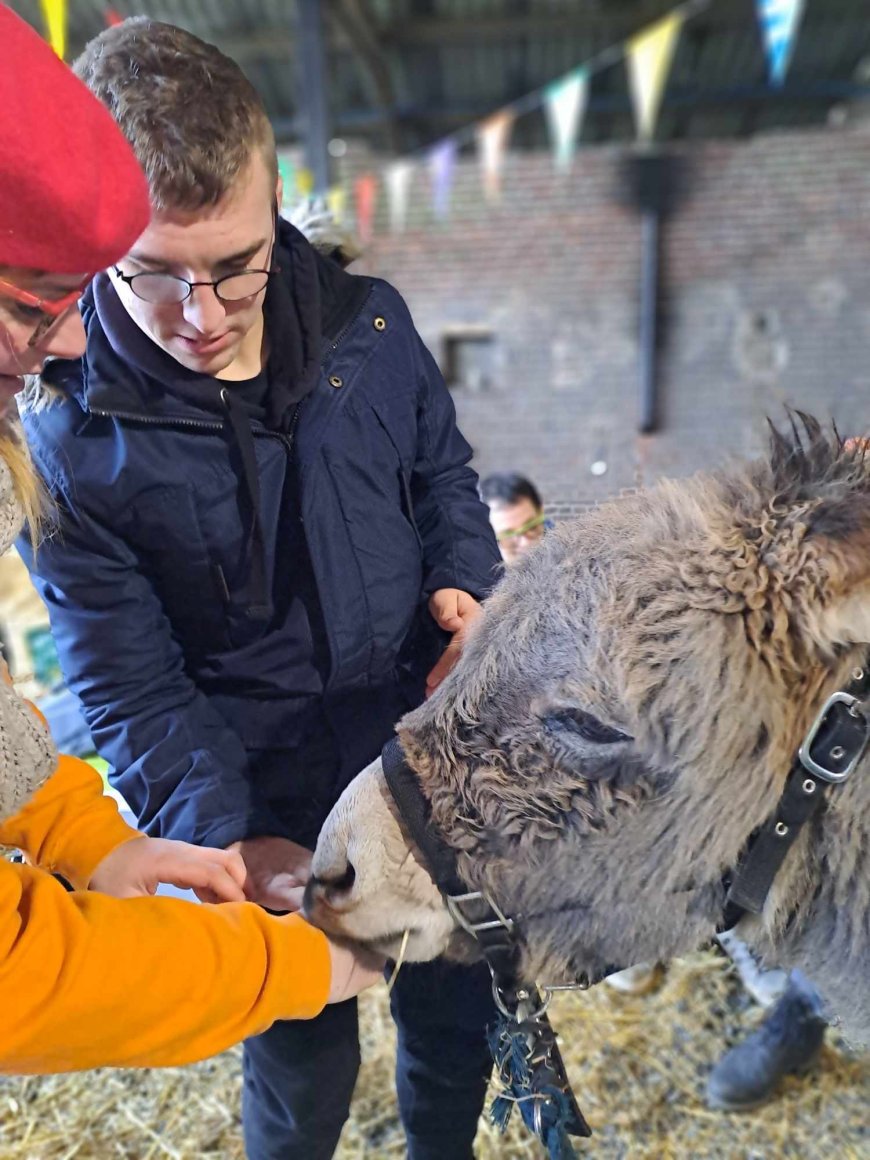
<point x="54" y="16"/>
<point x="336" y="202"/>
<point x="304" y="181"/>
<point x="649" y="61"/>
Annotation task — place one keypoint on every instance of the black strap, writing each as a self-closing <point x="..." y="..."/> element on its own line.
<point x="416" y="814"/>
<point x="837" y="741"/>
<point x="497" y="942"/>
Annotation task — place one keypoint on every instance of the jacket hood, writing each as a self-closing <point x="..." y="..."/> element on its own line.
<point x="125" y="373"/>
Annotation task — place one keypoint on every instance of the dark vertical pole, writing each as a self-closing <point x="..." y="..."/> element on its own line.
<point x="315" y="110"/>
<point x="649" y="286"/>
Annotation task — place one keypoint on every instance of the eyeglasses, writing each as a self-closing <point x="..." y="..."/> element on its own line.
<point x="169" y="290"/>
<point x="532" y="529"/>
<point x="49" y="311"/>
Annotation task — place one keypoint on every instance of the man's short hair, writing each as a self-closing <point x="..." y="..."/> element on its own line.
<point x="509" y="488"/>
<point x="192" y="116"/>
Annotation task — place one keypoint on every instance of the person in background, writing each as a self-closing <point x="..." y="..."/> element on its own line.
<point x="91" y="978"/>
<point x="516" y="513"/>
<point x="271" y="546"/>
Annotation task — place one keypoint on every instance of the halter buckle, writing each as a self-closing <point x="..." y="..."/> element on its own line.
<point x="855" y="748"/>
<point x="455" y="902"/>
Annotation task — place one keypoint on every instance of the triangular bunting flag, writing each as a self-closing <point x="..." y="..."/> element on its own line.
<point x="442" y="166"/>
<point x="304" y="181"/>
<point x="287" y="173"/>
<point x="54" y="15"/>
<point x="492" y="139"/>
<point x="649" y="60"/>
<point x="779" y="21"/>
<point x="564" y="105"/>
<point x="366" y="192"/>
<point x="398" y="183"/>
<point x="336" y="202"/>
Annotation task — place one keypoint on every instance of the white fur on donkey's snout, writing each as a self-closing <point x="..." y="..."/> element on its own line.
<point x="391" y="892"/>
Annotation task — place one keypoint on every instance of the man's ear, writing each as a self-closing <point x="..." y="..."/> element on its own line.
<point x="279" y="194"/>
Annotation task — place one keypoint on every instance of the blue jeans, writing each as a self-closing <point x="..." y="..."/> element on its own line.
<point x="299" y="1076"/>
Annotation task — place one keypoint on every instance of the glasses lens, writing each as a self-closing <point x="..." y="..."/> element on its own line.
<point x="161" y="289"/>
<point x="237" y="286"/>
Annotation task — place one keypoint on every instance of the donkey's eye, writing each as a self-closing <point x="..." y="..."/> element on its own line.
<point x="583" y="725"/>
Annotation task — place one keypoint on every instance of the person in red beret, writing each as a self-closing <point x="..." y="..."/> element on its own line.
<point x="97" y="980"/>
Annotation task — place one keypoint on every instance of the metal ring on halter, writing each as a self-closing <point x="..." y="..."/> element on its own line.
<point x="535" y="1013"/>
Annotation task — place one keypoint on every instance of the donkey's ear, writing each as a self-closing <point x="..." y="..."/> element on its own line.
<point x="842" y="540"/>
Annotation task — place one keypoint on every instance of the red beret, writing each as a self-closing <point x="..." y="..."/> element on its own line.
<point x="72" y="196"/>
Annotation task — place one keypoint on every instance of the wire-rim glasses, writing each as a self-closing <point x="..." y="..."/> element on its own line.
<point x="170" y="290"/>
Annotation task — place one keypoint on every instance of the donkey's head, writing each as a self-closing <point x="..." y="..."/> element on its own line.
<point x="625" y="716"/>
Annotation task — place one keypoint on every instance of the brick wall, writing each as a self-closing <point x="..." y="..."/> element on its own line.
<point x="765" y="299"/>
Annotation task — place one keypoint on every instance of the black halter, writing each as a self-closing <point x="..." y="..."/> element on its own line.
<point x="827" y="756"/>
<point x="524" y="1034"/>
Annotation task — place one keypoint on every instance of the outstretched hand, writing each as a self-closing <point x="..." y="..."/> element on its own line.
<point x="139" y="866"/>
<point x="454" y="611"/>
<point x="277" y="870"/>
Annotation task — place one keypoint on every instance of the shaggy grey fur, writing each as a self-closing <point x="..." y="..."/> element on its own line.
<point x="702" y="623"/>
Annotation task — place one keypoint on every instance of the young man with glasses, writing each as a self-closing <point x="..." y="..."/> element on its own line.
<point x="269" y="532"/>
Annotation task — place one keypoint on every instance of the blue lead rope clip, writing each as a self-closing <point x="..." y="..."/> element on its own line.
<point x="532" y="1074"/>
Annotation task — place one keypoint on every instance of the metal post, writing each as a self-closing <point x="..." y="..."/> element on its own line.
<point x="649" y="284"/>
<point x="314" y="109"/>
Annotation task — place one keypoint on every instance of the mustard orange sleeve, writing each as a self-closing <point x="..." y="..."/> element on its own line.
<point x="69" y="825"/>
<point x="93" y="981"/>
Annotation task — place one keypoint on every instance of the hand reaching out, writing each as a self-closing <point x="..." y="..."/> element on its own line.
<point x="277" y="870"/>
<point x="139" y="866"/>
<point x="454" y="611"/>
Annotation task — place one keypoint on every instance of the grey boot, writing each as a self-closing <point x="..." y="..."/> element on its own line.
<point x="788" y="1041"/>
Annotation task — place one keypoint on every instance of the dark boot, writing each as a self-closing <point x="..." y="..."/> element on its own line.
<point x="787" y="1042"/>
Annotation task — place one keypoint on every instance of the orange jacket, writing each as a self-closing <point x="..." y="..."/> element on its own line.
<point x="93" y="981"/>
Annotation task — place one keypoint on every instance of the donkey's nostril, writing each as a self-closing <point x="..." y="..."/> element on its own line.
<point x="337" y="884"/>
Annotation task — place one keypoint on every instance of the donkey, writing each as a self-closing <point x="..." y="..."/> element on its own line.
<point x="623" y="719"/>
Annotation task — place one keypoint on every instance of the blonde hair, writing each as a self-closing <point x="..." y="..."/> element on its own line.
<point x="29" y="490"/>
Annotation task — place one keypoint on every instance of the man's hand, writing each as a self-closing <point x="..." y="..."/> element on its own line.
<point x="352" y="971"/>
<point x="139" y="866"/>
<point x="454" y="611"/>
<point x="277" y="871"/>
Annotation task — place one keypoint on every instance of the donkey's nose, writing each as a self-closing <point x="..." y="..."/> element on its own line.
<point x="332" y="887"/>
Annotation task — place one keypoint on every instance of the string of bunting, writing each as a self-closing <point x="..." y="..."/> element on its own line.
<point x="648" y="55"/>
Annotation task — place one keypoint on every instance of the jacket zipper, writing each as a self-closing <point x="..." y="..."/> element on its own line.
<point x="287" y="438"/>
<point x="204" y="424"/>
<point x="342" y="334"/>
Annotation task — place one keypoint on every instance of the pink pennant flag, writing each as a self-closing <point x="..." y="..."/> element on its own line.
<point x="366" y="194"/>
<point x="493" y="135"/>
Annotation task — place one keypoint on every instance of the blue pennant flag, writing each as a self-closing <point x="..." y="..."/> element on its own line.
<point x="779" y="21"/>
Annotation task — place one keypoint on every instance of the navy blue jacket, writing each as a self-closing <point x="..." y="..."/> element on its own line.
<point x="147" y="579"/>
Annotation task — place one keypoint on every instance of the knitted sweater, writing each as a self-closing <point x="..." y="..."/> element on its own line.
<point x="27" y="755"/>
